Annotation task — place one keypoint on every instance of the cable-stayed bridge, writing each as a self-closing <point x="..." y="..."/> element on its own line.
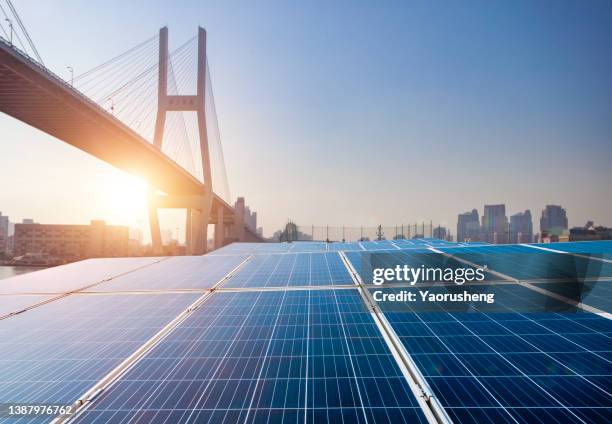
<point x="149" y="111"/>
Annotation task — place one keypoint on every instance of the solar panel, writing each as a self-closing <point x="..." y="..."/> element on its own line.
<point x="365" y="262"/>
<point x="181" y="272"/>
<point x="290" y="356"/>
<point x="299" y="269"/>
<point x="286" y="337"/>
<point x="55" y="352"/>
<point x="512" y="367"/>
<point x="298" y="247"/>
<point x="15" y="303"/>
<point x="65" y="278"/>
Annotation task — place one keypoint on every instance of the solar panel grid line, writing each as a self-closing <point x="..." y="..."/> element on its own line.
<point x="131" y="360"/>
<point x="467" y="369"/>
<point x="540" y="324"/>
<point x="549" y="355"/>
<point x="203" y="391"/>
<point x="587" y="308"/>
<point x="432" y="408"/>
<point x="259" y="376"/>
<point x="521" y="372"/>
<point x="567" y="253"/>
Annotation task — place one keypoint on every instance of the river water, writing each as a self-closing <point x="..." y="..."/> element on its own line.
<point x="9" y="271"/>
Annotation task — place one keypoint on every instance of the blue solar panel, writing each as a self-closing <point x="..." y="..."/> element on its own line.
<point x="65" y="278"/>
<point x="347" y="246"/>
<point x="289" y="356"/>
<point x="527" y="263"/>
<point x="603" y="246"/>
<point x="300" y="269"/>
<point x="378" y="245"/>
<point x="298" y="247"/>
<point x="56" y="352"/>
<point x="250" y="354"/>
<point x="181" y="272"/>
<point x="365" y="262"/>
<point x="511" y="367"/>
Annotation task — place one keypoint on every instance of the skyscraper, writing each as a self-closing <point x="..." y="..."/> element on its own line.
<point x="495" y="224"/>
<point x="4" y="232"/>
<point x="553" y="221"/>
<point x="468" y="226"/>
<point x="521" y="227"/>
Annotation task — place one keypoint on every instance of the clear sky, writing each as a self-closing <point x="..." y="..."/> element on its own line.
<point x="352" y="113"/>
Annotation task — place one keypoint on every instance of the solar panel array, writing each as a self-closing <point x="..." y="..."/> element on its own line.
<point x="287" y="332"/>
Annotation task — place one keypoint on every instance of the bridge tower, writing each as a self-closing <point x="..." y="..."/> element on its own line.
<point x="198" y="207"/>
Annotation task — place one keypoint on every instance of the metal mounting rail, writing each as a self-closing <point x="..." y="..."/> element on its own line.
<point x="128" y="363"/>
<point x="431" y="406"/>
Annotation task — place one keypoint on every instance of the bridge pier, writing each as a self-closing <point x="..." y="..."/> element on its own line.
<point x="197" y="219"/>
<point x="219" y="230"/>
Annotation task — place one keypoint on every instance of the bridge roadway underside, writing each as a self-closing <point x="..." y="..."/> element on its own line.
<point x="33" y="95"/>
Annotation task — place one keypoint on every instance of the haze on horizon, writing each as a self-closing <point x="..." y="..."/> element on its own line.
<point x="351" y="114"/>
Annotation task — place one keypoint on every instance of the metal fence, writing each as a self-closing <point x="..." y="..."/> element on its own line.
<point x="351" y="233"/>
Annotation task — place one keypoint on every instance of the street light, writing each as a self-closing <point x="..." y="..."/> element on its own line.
<point x="10" y="24"/>
<point x="71" y="69"/>
<point x="112" y="108"/>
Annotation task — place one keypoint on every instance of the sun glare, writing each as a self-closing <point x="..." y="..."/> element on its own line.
<point x="127" y="199"/>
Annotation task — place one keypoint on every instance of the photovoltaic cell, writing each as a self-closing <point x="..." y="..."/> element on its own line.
<point x="286" y="356"/>
<point x="56" y="352"/>
<point x="299" y="269"/>
<point x="181" y="272"/>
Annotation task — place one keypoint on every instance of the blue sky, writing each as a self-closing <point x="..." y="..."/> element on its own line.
<point x="355" y="113"/>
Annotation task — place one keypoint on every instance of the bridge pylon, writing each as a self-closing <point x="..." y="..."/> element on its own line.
<point x="198" y="207"/>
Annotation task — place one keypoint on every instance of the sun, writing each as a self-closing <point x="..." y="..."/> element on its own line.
<point x="126" y="198"/>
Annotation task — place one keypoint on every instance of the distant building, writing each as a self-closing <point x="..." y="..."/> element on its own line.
<point x="291" y="233"/>
<point x="71" y="242"/>
<point x="4" y="233"/>
<point x="250" y="217"/>
<point x="521" y="227"/>
<point x="590" y="232"/>
<point x="440" y="233"/>
<point x="553" y="222"/>
<point x="468" y="226"/>
<point x="495" y="224"/>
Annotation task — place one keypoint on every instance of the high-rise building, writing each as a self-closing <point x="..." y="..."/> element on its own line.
<point x="553" y="222"/>
<point x="495" y="224"/>
<point x="468" y="226"/>
<point x="4" y="233"/>
<point x="521" y="227"/>
<point x="71" y="242"/>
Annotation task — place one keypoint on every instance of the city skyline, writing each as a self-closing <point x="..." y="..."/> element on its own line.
<point x="505" y="128"/>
